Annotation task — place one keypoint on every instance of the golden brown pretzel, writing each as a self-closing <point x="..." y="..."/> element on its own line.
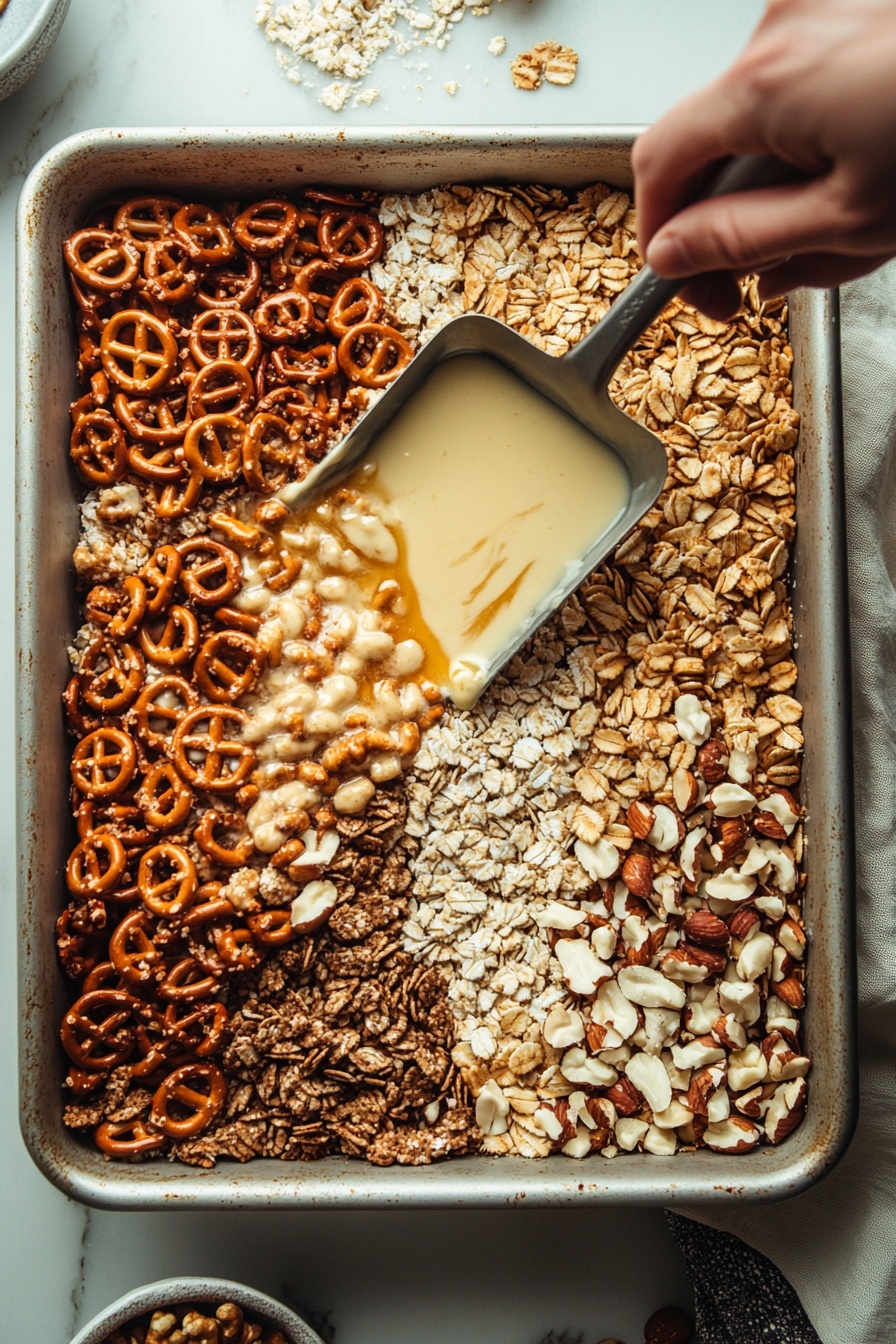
<point x="104" y="261"/>
<point x="202" y="1107"/>
<point x="287" y="315"/>
<point x="168" y="897"/>
<point x="151" y="353"/>
<point x="358" y="300"/>
<point x="127" y="1139"/>
<point x="212" y="573"/>
<point x="104" y="762"/>
<point x="95" y="865"/>
<point x="131" y="610"/>
<point x="227" y="762"/>
<point x="169" y="276"/>
<point x="150" y="707"/>
<point x="269" y="443"/>
<point x="133" y="953"/>
<point x="228" y="665"/>
<point x="160" y="574"/>
<point x="161" y="419"/>
<point x="83" y="1038"/>
<point x="305" y="366"/>
<point x="271" y="928"/>
<point x="204" y="835"/>
<point x="213" y="447"/>
<point x="229" y="286"/>
<point x="165" y="798"/>
<point x="384" y="351"/>
<point x="204" y="234"/>
<point x="350" y="239"/>
<point x="176" y="499"/>
<point x="111" y="675"/>
<point x="187" y="981"/>
<point x="98" y="448"/>
<point x="225" y="387"/>
<point x="146" y="219"/>
<point x="265" y="226"/>
<point x="224" y="333"/>
<point x="177" y="641"/>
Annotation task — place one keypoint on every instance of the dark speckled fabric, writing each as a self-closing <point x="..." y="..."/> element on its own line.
<point x="741" y="1298"/>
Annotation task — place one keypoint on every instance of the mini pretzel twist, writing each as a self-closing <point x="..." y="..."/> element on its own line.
<point x="350" y="239"/>
<point x="151" y="354"/>
<point x="266" y="226"/>
<point x="182" y="1086"/>
<point x="384" y="351"/>
<point x="102" y="260"/>
<point x="168" y="897"/>
<point x="104" y="762"/>
<point x="98" y="448"/>
<point x="226" y="763"/>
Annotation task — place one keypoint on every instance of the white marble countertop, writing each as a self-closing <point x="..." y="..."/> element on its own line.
<point x="431" y="1278"/>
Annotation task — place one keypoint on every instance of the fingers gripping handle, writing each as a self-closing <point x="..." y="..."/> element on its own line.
<point x="598" y="355"/>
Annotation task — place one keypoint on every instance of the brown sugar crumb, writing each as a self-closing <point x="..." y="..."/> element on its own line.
<point x="552" y="61"/>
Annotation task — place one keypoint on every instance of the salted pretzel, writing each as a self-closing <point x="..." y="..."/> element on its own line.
<point x="161" y="419"/>
<point x="150" y="355"/>
<point x="316" y="365"/>
<point x="186" y="982"/>
<point x="198" y="1027"/>
<point x="263" y="228"/>
<point x="111" y="675"/>
<point x="204" y="234"/>
<point x="163" y="702"/>
<point x="373" y="354"/>
<point x="224" y="333"/>
<point x="167" y="896"/>
<point x="229" y="286"/>
<point x="99" y="1044"/>
<point x="295" y="253"/>
<point x="183" y="1087"/>
<point x="133" y="953"/>
<point x="175" y="643"/>
<point x="222" y="387"/>
<point x="228" y="857"/>
<point x="356" y="301"/>
<point x="349" y="238"/>
<point x="160" y="575"/>
<point x="177" y="498"/>
<point x="285" y="316"/>
<point x="211" y="573"/>
<point x="102" y="260"/>
<point x="104" y="762"/>
<point x="228" y="666"/>
<point x="271" y="928"/>
<point x="269" y="453"/>
<point x="169" y="276"/>
<point x="146" y="219"/>
<point x="213" y="446"/>
<point x="98" y="448"/>
<point x="164" y="797"/>
<point x="226" y="762"/>
<point x="127" y="1139"/>
<point x="131" y="610"/>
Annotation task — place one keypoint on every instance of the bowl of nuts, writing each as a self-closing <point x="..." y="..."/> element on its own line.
<point x="198" y="1310"/>
<point x="28" y="29"/>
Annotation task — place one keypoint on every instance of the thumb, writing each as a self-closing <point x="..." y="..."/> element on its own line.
<point x="749" y="230"/>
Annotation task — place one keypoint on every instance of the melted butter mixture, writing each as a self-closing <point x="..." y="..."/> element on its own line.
<point x="497" y="494"/>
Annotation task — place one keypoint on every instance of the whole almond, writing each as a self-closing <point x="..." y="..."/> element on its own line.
<point x="625" y="1097"/>
<point x="669" y="1325"/>
<point x="712" y="761"/>
<point x="732" y="832"/>
<point x="702" y="956"/>
<point x="768" y="825"/>
<point x="685" y="790"/>
<point x="637" y="874"/>
<point x="640" y="817"/>
<point x="741" y="923"/>
<point x="706" y="930"/>
<point x="790" y="991"/>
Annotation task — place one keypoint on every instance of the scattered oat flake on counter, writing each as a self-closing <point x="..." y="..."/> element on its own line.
<point x="451" y="87"/>
<point x="345" y="37"/>
<point x="498" y="45"/>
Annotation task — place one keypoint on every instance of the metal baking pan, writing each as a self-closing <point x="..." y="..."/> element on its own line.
<point x="207" y="163"/>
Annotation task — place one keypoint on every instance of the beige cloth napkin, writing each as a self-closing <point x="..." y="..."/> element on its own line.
<point x="837" y="1242"/>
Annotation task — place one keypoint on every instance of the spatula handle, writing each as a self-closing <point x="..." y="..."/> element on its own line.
<point x="599" y="354"/>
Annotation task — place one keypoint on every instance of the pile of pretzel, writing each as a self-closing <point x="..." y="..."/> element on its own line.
<point x="219" y="343"/>
<point x="215" y="345"/>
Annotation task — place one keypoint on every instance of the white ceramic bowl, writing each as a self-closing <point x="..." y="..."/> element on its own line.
<point x="28" y="29"/>
<point x="172" y="1292"/>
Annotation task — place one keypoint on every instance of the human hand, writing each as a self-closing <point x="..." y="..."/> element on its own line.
<point x="816" y="87"/>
